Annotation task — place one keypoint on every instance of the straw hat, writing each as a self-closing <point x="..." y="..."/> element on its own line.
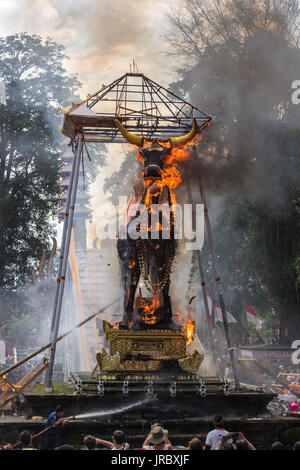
<point x="158" y="435"/>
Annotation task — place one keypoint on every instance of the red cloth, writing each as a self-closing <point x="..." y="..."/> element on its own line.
<point x="250" y="310"/>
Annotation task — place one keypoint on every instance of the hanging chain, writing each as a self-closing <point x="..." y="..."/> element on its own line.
<point x="154" y="287"/>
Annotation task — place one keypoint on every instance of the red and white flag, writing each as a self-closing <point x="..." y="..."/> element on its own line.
<point x="215" y="311"/>
<point x="252" y="317"/>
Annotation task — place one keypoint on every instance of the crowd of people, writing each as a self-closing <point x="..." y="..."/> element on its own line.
<point x="157" y="439"/>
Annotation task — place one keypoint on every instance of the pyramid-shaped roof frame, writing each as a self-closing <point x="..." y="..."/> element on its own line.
<point x="143" y="106"/>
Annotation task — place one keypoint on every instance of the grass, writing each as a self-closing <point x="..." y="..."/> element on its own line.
<point x="58" y="388"/>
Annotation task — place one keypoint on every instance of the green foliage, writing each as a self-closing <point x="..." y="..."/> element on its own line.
<point x="245" y="56"/>
<point x="36" y="84"/>
<point x="30" y="148"/>
<point x="17" y="329"/>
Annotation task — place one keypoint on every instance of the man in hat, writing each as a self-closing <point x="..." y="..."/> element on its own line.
<point x="157" y="439"/>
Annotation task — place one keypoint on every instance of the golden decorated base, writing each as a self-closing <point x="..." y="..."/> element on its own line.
<point x="147" y="350"/>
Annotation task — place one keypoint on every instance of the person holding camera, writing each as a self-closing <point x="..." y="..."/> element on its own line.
<point x="214" y="438"/>
<point x="238" y="442"/>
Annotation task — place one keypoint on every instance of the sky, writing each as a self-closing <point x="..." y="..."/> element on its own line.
<point x="101" y="38"/>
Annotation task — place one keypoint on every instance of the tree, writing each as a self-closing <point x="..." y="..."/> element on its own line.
<point x="241" y="58"/>
<point x="36" y="83"/>
<point x="30" y="144"/>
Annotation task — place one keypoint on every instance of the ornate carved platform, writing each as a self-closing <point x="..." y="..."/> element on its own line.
<point x="148" y="350"/>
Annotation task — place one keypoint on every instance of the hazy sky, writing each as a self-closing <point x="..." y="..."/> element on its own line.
<point x="101" y="36"/>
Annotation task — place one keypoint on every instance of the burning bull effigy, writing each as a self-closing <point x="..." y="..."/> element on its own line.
<point x="147" y="338"/>
<point x="149" y="257"/>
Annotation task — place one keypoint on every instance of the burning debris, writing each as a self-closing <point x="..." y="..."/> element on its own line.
<point x="151" y="258"/>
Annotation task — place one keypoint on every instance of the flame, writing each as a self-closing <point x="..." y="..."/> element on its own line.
<point x="190" y="329"/>
<point x="131" y="264"/>
<point x="116" y="325"/>
<point x="171" y="175"/>
<point x="179" y="317"/>
<point x="149" y="309"/>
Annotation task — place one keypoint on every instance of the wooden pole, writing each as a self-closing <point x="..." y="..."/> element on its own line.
<point x="218" y="287"/>
<point x="43" y="348"/>
<point x="203" y="286"/>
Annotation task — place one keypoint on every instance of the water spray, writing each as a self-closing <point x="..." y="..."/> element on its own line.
<point x="93" y="414"/>
<point x="43" y="348"/>
<point x="120" y="409"/>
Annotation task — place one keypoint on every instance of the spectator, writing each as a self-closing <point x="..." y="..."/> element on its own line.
<point x="243" y="444"/>
<point x="6" y="447"/>
<point x="227" y="446"/>
<point x="158" y="437"/>
<point x="90" y="442"/>
<point x="214" y="438"/>
<point x="277" y="446"/>
<point x="195" y="444"/>
<point x="296" y="446"/>
<point x="118" y="441"/>
<point x="26" y="439"/>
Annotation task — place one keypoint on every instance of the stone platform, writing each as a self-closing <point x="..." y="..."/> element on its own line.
<point x="242" y="403"/>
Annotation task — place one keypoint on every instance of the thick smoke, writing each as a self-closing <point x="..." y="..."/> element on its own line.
<point x="243" y="77"/>
<point x="102" y="38"/>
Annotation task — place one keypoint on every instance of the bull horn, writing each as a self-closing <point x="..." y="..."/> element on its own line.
<point x="184" y="139"/>
<point x="131" y="138"/>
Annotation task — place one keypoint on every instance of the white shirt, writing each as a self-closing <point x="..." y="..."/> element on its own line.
<point x="214" y="438"/>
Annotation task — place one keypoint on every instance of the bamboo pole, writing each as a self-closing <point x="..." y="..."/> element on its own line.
<point x="66" y="420"/>
<point x="43" y="348"/>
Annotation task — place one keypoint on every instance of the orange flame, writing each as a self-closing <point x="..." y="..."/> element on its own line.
<point x="171" y="175"/>
<point x="190" y="330"/>
<point x="148" y="310"/>
<point x="131" y="264"/>
<point x="189" y="327"/>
